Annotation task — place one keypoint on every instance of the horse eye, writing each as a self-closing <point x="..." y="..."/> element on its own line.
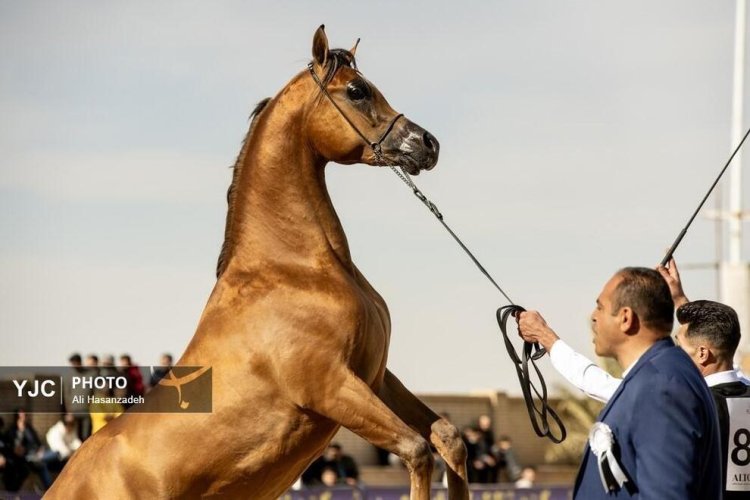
<point x="356" y="91"/>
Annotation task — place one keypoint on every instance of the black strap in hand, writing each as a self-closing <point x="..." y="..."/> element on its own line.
<point x="539" y="415"/>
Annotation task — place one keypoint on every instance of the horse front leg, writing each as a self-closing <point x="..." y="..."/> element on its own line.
<point x="353" y="405"/>
<point x="441" y="433"/>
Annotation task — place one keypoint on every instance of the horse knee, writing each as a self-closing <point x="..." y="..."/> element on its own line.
<point x="449" y="442"/>
<point x="418" y="457"/>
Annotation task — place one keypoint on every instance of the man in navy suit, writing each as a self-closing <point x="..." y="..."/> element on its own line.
<point x="658" y="435"/>
<point x="709" y="334"/>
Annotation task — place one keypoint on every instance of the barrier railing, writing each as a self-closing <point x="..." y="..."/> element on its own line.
<point x="484" y="492"/>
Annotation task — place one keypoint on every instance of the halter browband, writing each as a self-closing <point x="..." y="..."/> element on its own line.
<point x="375" y="146"/>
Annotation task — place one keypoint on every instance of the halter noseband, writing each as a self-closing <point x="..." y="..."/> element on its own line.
<point x="375" y="146"/>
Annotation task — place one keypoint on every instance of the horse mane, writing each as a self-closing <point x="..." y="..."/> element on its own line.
<point x="336" y="59"/>
<point x="236" y="169"/>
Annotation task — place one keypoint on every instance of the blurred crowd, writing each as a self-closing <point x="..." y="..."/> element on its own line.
<point x="489" y="461"/>
<point x="24" y="453"/>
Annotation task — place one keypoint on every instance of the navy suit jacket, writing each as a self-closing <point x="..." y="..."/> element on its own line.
<point x="666" y="432"/>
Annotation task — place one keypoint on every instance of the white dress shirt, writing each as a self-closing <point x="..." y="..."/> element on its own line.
<point x="596" y="383"/>
<point x="726" y="377"/>
<point x="582" y="372"/>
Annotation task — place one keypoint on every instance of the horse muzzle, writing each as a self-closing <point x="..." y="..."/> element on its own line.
<point x="412" y="147"/>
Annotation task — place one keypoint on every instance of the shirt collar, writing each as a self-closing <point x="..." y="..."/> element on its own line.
<point x="725" y="377"/>
<point x="630" y="367"/>
<point x="664" y="340"/>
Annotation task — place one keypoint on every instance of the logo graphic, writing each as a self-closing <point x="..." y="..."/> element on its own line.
<point x="106" y="390"/>
<point x="172" y="381"/>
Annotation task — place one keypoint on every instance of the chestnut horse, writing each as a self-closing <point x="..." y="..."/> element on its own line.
<point x="296" y="337"/>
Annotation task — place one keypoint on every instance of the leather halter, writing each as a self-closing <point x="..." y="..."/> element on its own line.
<point x="375" y="146"/>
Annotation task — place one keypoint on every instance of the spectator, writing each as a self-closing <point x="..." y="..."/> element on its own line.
<point x="27" y="448"/>
<point x="528" y="476"/>
<point x="343" y="465"/>
<point x="104" y="410"/>
<point x="159" y="372"/>
<point x="62" y="437"/>
<point x="133" y="373"/>
<point x="503" y="452"/>
<point x="329" y="477"/>
<point x="484" y="424"/>
<point x="12" y="468"/>
<point x="479" y="460"/>
<point x="382" y="456"/>
<point x="92" y="363"/>
<point x="108" y="366"/>
<point x="76" y="399"/>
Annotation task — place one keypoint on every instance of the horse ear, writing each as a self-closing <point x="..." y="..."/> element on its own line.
<point x="354" y="49"/>
<point x="320" y="46"/>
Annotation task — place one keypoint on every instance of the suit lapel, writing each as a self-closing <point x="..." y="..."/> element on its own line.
<point x="645" y="358"/>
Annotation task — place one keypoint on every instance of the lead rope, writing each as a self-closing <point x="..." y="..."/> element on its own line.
<point x="544" y="411"/>
<point x="540" y="412"/>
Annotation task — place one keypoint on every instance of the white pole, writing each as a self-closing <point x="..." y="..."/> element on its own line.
<point x="735" y="187"/>
<point x="735" y="275"/>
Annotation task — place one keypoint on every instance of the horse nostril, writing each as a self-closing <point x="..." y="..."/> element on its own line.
<point x="429" y="141"/>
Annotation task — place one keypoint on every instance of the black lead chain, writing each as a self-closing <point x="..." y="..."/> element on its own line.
<point x="539" y="413"/>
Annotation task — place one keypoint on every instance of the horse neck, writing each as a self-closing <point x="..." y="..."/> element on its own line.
<point x="282" y="210"/>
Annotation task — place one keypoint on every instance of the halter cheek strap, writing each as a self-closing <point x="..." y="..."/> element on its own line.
<point x="375" y="146"/>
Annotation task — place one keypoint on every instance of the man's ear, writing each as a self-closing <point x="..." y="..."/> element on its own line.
<point x="704" y="355"/>
<point x="320" y="46"/>
<point x="628" y="320"/>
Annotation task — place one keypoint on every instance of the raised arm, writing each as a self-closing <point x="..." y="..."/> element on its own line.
<point x="575" y="367"/>
<point x="672" y="276"/>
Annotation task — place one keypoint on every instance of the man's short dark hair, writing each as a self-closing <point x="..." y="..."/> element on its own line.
<point x="74" y="358"/>
<point x="713" y="322"/>
<point x="647" y="294"/>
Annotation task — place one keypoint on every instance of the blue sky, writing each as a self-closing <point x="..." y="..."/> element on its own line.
<point x="577" y="137"/>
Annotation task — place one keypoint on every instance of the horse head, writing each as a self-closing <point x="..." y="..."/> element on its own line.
<point x="349" y="120"/>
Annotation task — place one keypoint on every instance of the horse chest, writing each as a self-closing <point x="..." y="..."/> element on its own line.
<point x="372" y="336"/>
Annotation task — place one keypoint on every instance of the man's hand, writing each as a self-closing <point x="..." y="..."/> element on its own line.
<point x="672" y="276"/>
<point x="532" y="328"/>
